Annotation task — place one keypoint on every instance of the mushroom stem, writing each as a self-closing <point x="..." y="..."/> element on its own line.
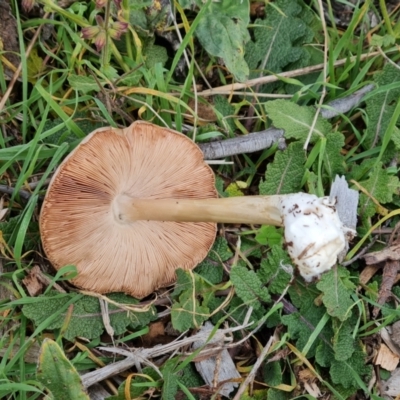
<point x="244" y="210"/>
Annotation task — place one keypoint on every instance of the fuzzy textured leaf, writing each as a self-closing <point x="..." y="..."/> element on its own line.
<point x="284" y="174"/>
<point x="86" y="320"/>
<point x="220" y="250"/>
<point x="301" y="324"/>
<point x="337" y="289"/>
<point x="296" y="120"/>
<point x="380" y="107"/>
<point x="85" y="84"/>
<point x="272" y="271"/>
<point x="333" y="159"/>
<point x="279" y="38"/>
<point x="347" y="373"/>
<point x="343" y="342"/>
<point x="211" y="272"/>
<point x="188" y="313"/>
<point x="248" y="286"/>
<point x="381" y="186"/>
<point x="57" y="373"/>
<point x="222" y="32"/>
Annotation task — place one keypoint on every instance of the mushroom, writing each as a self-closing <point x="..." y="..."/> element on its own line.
<point x="129" y="206"/>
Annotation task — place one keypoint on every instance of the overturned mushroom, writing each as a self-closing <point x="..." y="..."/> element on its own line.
<point x="130" y="206"/>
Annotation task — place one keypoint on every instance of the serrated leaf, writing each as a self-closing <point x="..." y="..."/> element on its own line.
<point x="279" y="38"/>
<point x="190" y="377"/>
<point x="272" y="271"/>
<point x="170" y="387"/>
<point x="350" y="372"/>
<point x="301" y="324"/>
<point x="57" y="373"/>
<point x="228" y="22"/>
<point x="154" y="54"/>
<point x="333" y="159"/>
<point x="249" y="287"/>
<point x="86" y="320"/>
<point x="285" y="173"/>
<point x="343" y="342"/>
<point x="337" y="290"/>
<point x="381" y="106"/>
<point x="187" y="313"/>
<point x="210" y="272"/>
<point x="296" y="120"/>
<point x="381" y="186"/>
<point x="220" y="250"/>
<point x="396" y="138"/>
<point x="85" y="84"/>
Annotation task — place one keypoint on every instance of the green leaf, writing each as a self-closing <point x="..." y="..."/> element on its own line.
<point x="269" y="235"/>
<point x="154" y="54"/>
<point x="296" y="120"/>
<point x="138" y="385"/>
<point x="85" y="84"/>
<point x="7" y="228"/>
<point x="211" y="272"/>
<point x="190" y="377"/>
<point x="337" y="289"/>
<point x="271" y="270"/>
<point x="381" y="186"/>
<point x="227" y="111"/>
<point x="249" y="287"/>
<point x="352" y="372"/>
<point x="396" y="138"/>
<point x="188" y="313"/>
<point x="343" y="341"/>
<point x="333" y="159"/>
<point x="86" y="320"/>
<point x="285" y="173"/>
<point x="222" y="31"/>
<point x="170" y="387"/>
<point x="302" y="323"/>
<point x="220" y="250"/>
<point x="381" y="106"/>
<point x="272" y="373"/>
<point x="58" y="375"/>
<point x="279" y="38"/>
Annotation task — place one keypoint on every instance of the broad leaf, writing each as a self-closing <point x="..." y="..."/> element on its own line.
<point x="249" y="287"/>
<point x="285" y="173"/>
<point x="279" y="38"/>
<point x="222" y="31"/>
<point x="86" y="320"/>
<point x="337" y="290"/>
<point x="296" y="120"/>
<point x="380" y="107"/>
<point x="57" y="373"/>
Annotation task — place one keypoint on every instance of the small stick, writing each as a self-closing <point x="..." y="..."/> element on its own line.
<point x="257" y="141"/>
<point x="227" y="89"/>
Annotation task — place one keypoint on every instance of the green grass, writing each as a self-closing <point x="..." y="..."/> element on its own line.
<point x="68" y="87"/>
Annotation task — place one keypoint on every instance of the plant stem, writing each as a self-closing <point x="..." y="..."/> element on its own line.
<point x="245" y="210"/>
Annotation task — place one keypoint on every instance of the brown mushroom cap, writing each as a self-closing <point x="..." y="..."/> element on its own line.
<point x="78" y="224"/>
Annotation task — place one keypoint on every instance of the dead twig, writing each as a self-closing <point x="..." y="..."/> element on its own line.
<point x="257" y="141"/>
<point x="228" y="89"/>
